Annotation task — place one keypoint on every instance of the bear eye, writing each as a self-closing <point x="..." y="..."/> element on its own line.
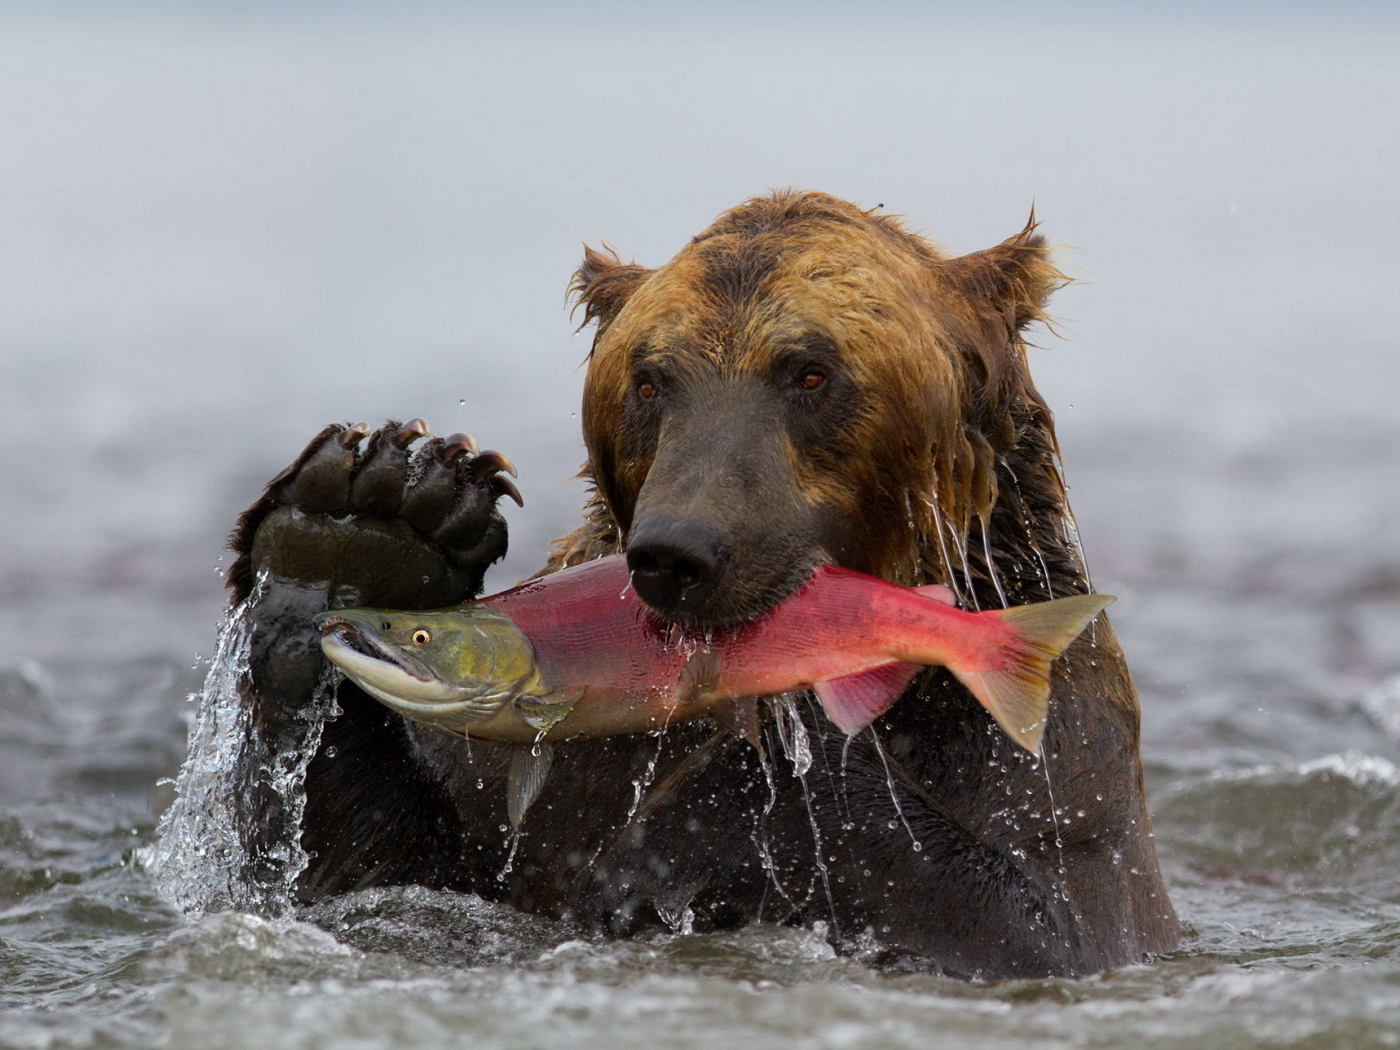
<point x="812" y="379"/>
<point x="646" y="390"/>
<point x="421" y="637"/>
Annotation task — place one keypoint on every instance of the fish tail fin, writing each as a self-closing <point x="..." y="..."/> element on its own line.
<point x="1017" y="694"/>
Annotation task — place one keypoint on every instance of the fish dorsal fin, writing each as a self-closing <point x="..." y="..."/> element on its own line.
<point x="937" y="592"/>
<point x="858" y="699"/>
<point x="529" y="768"/>
<point x="740" y="717"/>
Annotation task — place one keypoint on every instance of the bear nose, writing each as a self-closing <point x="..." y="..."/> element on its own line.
<point x="676" y="564"/>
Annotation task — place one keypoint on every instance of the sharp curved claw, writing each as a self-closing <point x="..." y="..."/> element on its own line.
<point x="350" y="437"/>
<point x="458" y="445"/>
<point x="466" y="442"/>
<point x="411" y="432"/>
<point x="503" y="486"/>
<point x="490" y="463"/>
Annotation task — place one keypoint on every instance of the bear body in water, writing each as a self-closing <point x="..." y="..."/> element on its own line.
<point x="804" y="382"/>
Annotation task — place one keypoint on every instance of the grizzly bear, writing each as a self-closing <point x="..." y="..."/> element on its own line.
<point x="805" y="382"/>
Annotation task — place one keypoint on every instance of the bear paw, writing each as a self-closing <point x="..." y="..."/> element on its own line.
<point x="364" y="519"/>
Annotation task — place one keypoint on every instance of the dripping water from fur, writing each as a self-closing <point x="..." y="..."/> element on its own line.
<point x="792" y="733"/>
<point x="991" y="565"/>
<point x="894" y="794"/>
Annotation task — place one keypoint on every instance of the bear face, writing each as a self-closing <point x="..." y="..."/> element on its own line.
<point x="804" y="382"/>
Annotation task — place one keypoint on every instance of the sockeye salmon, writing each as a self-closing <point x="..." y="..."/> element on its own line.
<point x="577" y="654"/>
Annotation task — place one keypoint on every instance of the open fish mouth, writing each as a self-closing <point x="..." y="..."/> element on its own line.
<point x="353" y="639"/>
<point x="396" y="679"/>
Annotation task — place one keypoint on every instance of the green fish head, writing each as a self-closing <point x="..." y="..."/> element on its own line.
<point x="449" y="668"/>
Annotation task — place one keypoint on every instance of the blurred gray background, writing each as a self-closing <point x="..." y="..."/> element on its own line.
<point x="224" y="225"/>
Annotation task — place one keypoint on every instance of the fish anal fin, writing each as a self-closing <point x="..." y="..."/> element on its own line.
<point x="856" y="700"/>
<point x="529" y="768"/>
<point x="741" y="718"/>
<point x="937" y="592"/>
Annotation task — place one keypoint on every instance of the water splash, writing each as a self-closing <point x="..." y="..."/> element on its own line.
<point x="792" y="732"/>
<point x="197" y="859"/>
<point x="679" y="917"/>
<point x="642" y="782"/>
<point x="220" y="846"/>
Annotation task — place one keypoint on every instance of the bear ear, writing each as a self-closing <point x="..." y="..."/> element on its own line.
<point x="1012" y="281"/>
<point x="603" y="284"/>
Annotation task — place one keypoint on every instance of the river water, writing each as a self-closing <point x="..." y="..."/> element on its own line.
<point x="221" y="227"/>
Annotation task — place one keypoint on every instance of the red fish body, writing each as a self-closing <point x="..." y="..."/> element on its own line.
<point x="577" y="654"/>
<point x="857" y="640"/>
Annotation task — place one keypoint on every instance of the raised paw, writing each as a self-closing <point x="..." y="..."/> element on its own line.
<point x="391" y="518"/>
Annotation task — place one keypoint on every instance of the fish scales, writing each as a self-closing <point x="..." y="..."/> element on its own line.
<point x="577" y="654"/>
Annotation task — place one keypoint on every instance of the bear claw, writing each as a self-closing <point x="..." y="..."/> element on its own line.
<point x="505" y="487"/>
<point x="460" y="445"/>
<point x="351" y="437"/>
<point x="489" y="463"/>
<point x="409" y="432"/>
<point x="440" y="496"/>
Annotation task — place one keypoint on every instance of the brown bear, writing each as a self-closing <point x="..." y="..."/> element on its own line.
<point x="804" y="382"/>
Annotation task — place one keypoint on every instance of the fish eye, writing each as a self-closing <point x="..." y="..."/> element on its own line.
<point x="386" y="625"/>
<point x="421" y="637"/>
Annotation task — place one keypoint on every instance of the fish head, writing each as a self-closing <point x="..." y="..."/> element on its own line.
<point x="449" y="668"/>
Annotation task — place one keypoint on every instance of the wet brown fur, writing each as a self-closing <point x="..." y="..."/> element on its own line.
<point x="928" y="456"/>
<point x="935" y="343"/>
<point x="946" y="471"/>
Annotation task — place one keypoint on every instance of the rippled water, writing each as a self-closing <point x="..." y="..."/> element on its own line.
<point x="219" y="233"/>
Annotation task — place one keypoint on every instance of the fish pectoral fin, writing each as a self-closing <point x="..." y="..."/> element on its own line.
<point x="853" y="702"/>
<point x="543" y="713"/>
<point x="740" y="717"/>
<point x="698" y="676"/>
<point x="529" y="768"/>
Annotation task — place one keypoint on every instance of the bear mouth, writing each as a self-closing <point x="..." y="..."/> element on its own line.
<point x="741" y="597"/>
